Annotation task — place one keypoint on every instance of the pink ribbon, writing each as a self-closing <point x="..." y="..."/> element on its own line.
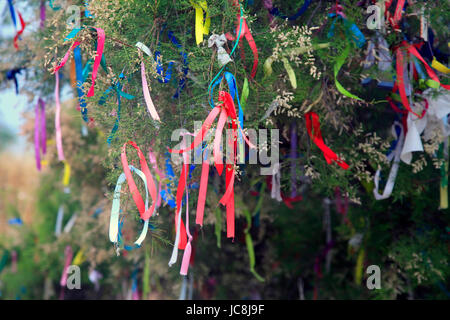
<point x="40" y="139"/>
<point x="59" y="146"/>
<point x="148" y="100"/>
<point x="68" y="255"/>
<point x="98" y="58"/>
<point x="66" y="56"/>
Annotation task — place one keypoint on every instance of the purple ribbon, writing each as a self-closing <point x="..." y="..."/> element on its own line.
<point x="40" y="134"/>
<point x="42" y="14"/>
<point x="293" y="159"/>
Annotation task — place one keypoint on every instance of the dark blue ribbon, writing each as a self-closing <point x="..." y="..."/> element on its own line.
<point x="276" y="12"/>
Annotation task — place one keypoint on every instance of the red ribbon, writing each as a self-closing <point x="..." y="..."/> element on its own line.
<point x="145" y="215"/>
<point x="287" y="200"/>
<point x="227" y="110"/>
<point x="313" y="123"/>
<point x="19" y="32"/>
<point x="245" y="31"/>
<point x="98" y="58"/>
<point x="410" y="49"/>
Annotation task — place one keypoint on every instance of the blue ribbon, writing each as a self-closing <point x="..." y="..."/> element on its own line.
<point x="276" y="12"/>
<point x="168" y="74"/>
<point x="232" y="86"/>
<point x="351" y="29"/>
<point x="14" y="221"/>
<point x="80" y="81"/>
<point x="13" y="13"/>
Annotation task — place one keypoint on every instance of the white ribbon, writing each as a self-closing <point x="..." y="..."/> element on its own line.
<point x="395" y="155"/>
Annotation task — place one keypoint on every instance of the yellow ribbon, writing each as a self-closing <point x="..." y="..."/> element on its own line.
<point x="66" y="177"/>
<point x="359" y="266"/>
<point x="201" y="25"/>
<point x="439" y="66"/>
<point x="79" y="258"/>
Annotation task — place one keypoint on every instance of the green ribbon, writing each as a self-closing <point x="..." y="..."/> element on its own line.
<point x="339" y="63"/>
<point x="146" y="276"/>
<point x="248" y="237"/>
<point x="244" y="94"/>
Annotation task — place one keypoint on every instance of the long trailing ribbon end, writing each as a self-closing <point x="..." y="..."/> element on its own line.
<point x="98" y="58"/>
<point x="68" y="253"/>
<point x="313" y="123"/>
<point x="40" y="139"/>
<point x="202" y="191"/>
<point x="23" y="25"/>
<point x="58" y="133"/>
<point x="148" y="100"/>
<point x="188" y="249"/>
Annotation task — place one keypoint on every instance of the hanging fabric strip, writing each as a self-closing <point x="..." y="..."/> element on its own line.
<point x="40" y="134"/>
<point x="53" y="6"/>
<point x="66" y="177"/>
<point x="79" y="77"/>
<point x="66" y="56"/>
<point x="313" y="124"/>
<point x="188" y="250"/>
<point x="201" y="24"/>
<point x="443" y="155"/>
<point x="276" y="12"/>
<point x="13" y="13"/>
<point x="12" y="75"/>
<point x="68" y="253"/>
<point x="98" y="58"/>
<point x="337" y="67"/>
<point x="148" y="99"/>
<point x="399" y="135"/>
<point x="59" y="221"/>
<point x="293" y="157"/>
<point x="42" y="14"/>
<point x="58" y="133"/>
<point x="115" y="209"/>
<point x="144" y="213"/>
<point x="19" y="32"/>
<point x="248" y="36"/>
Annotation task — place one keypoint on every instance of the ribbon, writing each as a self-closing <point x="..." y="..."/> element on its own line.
<point x="13" y="13"/>
<point x="114" y="224"/>
<point x="68" y="258"/>
<point x="66" y="176"/>
<point x="410" y="49"/>
<point x="53" y="6"/>
<point x="337" y="67"/>
<point x="276" y="12"/>
<point x="79" y="258"/>
<point x="439" y="66"/>
<point x="275" y="192"/>
<point x="226" y="110"/>
<point x="12" y="75"/>
<point x="70" y="223"/>
<point x="248" y="236"/>
<point x="144" y="213"/>
<point x="59" y="221"/>
<point x="19" y="32"/>
<point x="148" y="100"/>
<point x="397" y="17"/>
<point x="98" y="58"/>
<point x="312" y="123"/>
<point x="232" y="86"/>
<point x="80" y="80"/>
<point x="293" y="160"/>
<point x="42" y="14"/>
<point x="201" y="24"/>
<point x="188" y="250"/>
<point x="398" y="133"/>
<point x="40" y="133"/>
<point x="59" y="145"/>
<point x="167" y="77"/>
<point x="242" y="30"/>
<point x="443" y="187"/>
